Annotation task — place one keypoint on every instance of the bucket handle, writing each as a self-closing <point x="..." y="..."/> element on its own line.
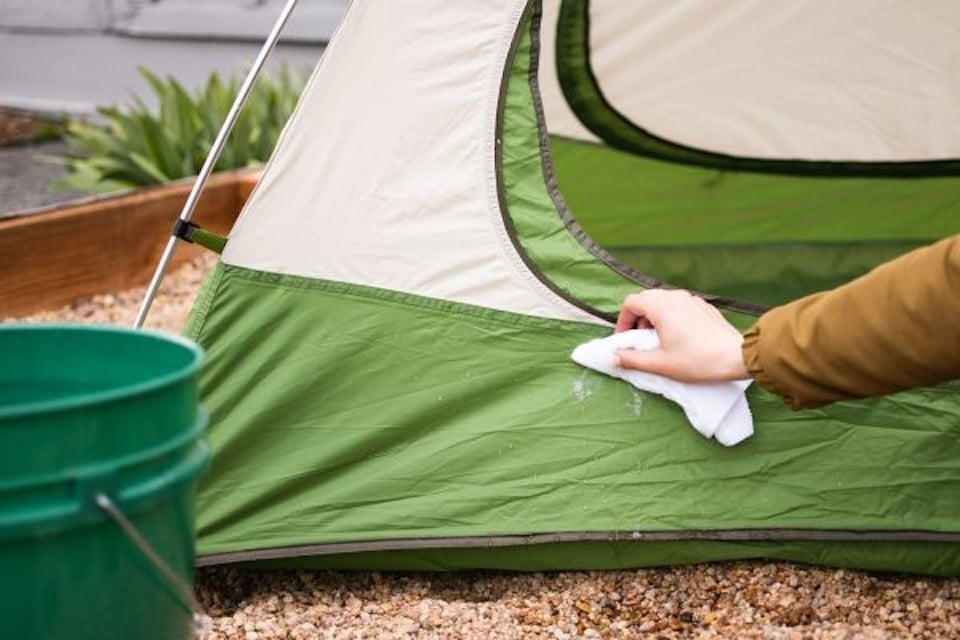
<point x="184" y="593"/>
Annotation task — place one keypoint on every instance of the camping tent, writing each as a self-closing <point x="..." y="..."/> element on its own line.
<point x="466" y="192"/>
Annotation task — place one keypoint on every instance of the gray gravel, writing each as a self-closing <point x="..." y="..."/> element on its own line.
<point x="741" y="600"/>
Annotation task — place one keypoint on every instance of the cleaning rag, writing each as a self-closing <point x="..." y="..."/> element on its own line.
<point x="715" y="409"/>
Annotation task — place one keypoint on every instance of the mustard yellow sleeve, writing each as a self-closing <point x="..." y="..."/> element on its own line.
<point x="894" y="328"/>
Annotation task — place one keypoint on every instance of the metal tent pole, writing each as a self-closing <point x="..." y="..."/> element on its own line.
<point x="187" y="212"/>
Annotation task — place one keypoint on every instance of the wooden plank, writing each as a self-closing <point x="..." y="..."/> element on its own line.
<point x="106" y="244"/>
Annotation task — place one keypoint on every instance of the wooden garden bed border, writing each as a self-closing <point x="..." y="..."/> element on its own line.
<point x="55" y="255"/>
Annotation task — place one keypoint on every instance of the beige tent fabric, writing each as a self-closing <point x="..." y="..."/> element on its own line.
<point x="385" y="174"/>
<point x="805" y="79"/>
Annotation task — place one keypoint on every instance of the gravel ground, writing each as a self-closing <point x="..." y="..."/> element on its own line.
<point x="730" y="600"/>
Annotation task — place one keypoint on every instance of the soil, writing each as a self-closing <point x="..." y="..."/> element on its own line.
<point x="19" y="127"/>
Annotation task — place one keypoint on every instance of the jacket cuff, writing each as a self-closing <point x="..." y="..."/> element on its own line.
<point x="754" y="365"/>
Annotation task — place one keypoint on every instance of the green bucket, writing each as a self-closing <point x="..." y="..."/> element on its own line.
<point x="101" y="445"/>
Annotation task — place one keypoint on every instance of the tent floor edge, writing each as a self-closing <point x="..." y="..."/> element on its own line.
<point x="914" y="557"/>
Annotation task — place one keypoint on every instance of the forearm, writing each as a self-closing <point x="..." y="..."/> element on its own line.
<point x="894" y="328"/>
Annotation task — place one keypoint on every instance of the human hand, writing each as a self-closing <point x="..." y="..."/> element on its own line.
<point x="697" y="344"/>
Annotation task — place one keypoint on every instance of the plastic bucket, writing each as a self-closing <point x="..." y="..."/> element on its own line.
<point x="92" y="417"/>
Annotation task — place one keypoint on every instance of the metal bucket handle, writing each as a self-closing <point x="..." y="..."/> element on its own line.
<point x="202" y="622"/>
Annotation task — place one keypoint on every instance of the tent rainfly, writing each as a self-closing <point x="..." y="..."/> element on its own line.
<point x="467" y="190"/>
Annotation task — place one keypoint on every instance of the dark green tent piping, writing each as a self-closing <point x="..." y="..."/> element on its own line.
<point x="413" y="544"/>
<point x="564" y="212"/>
<point x="531" y="16"/>
<point x="585" y="97"/>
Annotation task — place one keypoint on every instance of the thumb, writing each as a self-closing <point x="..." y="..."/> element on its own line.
<point x="653" y="361"/>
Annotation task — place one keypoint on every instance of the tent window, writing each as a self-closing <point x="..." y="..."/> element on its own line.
<point x="603" y="116"/>
<point x="747" y="229"/>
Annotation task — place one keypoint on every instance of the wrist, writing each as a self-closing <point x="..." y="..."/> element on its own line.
<point x="736" y="366"/>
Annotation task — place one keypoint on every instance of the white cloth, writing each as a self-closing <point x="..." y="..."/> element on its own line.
<point x="715" y="409"/>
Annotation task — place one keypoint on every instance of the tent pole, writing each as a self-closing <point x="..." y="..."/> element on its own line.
<point x="211" y="160"/>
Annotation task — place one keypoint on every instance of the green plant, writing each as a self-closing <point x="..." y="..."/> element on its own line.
<point x="139" y="146"/>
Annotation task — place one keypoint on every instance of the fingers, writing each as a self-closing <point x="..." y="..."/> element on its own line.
<point x="654" y="361"/>
<point x="697" y="344"/>
<point x="639" y="308"/>
<point x="630" y="311"/>
<point x="646" y="309"/>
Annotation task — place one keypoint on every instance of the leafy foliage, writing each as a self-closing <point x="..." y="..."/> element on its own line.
<point x="139" y="146"/>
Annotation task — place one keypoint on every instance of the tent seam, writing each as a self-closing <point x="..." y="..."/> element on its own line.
<point x="403" y="298"/>
<point x="198" y="320"/>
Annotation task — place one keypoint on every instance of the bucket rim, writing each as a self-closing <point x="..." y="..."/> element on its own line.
<point x="84" y="400"/>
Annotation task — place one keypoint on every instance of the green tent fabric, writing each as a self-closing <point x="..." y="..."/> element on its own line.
<point x="388" y="331"/>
